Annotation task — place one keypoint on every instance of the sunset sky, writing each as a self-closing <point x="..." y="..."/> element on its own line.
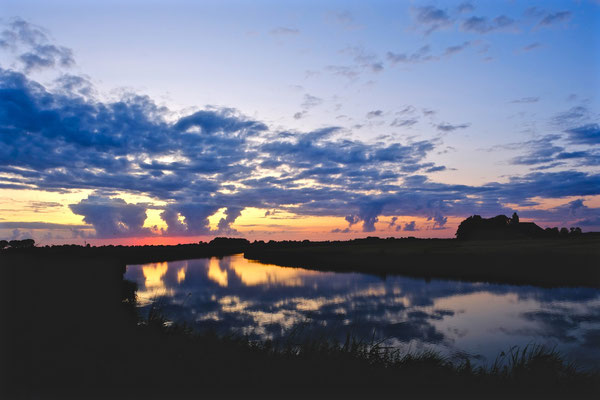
<point x="138" y="122"/>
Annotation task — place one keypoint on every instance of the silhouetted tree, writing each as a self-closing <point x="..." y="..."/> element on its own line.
<point x="564" y="232"/>
<point x="552" y="232"/>
<point x="3" y="244"/>
<point x="576" y="231"/>
<point x="515" y="219"/>
<point x="22" y="244"/>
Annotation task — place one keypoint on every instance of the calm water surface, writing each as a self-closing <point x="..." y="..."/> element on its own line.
<point x="476" y="320"/>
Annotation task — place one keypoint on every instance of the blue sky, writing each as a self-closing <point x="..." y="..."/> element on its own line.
<point x="357" y="111"/>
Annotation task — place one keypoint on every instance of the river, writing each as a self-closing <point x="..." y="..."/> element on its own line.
<point x="459" y="319"/>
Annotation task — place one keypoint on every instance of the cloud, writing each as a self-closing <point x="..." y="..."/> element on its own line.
<point x="431" y="18"/>
<point x="33" y="46"/>
<point x="465" y="7"/>
<point x="555" y="18"/>
<point x="450" y="128"/>
<point x="349" y="72"/>
<point x="369" y="214"/>
<point x="406" y="123"/>
<point x="573" y="116"/>
<point x="38" y="225"/>
<point x="364" y="60"/>
<point x="311" y="101"/>
<point x="112" y="217"/>
<point x="300" y="114"/>
<point x="545" y="150"/>
<point x="410" y="226"/>
<point x="374" y="114"/>
<point x="456" y="48"/>
<point x="483" y="25"/>
<point x="352" y="219"/>
<point x="421" y="55"/>
<point x="345" y="18"/>
<point x="224" y="226"/>
<point x="282" y="30"/>
<point x="436" y="169"/>
<point x="531" y="46"/>
<point x="526" y="100"/>
<point x="586" y="134"/>
<point x="190" y="219"/>
<point x="439" y="221"/>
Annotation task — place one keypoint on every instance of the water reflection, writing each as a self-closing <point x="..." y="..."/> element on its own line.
<point x="233" y="294"/>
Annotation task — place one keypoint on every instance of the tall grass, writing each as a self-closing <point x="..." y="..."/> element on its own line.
<point x="322" y="361"/>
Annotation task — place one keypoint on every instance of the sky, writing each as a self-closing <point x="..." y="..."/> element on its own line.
<point x="147" y="122"/>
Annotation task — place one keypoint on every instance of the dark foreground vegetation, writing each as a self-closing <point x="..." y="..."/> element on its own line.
<point x="69" y="329"/>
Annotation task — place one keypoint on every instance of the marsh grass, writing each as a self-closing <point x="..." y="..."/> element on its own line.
<point x="302" y="360"/>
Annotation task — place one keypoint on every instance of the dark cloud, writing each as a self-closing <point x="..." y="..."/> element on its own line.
<point x="112" y="217"/>
<point x="352" y="219"/>
<point x="432" y="18"/>
<point x="436" y="169"/>
<point x="224" y="226"/>
<point x="450" y="128"/>
<point x="410" y="226"/>
<point x="190" y="219"/>
<point x="439" y="221"/>
<point x="586" y="134"/>
<point x="546" y="151"/>
<point x="483" y="25"/>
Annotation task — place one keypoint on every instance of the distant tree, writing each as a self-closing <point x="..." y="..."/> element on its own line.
<point x="552" y="232"/>
<point x="564" y="232"/>
<point x="515" y="219"/>
<point x="22" y="244"/>
<point x="3" y="244"/>
<point x="576" y="231"/>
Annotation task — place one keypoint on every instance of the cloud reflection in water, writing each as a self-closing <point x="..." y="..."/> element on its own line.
<point x="236" y="295"/>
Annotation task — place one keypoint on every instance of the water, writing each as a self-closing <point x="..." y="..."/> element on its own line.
<point x="459" y="319"/>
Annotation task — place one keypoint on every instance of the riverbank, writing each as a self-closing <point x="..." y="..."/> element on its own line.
<point x="540" y="262"/>
<point x="70" y="330"/>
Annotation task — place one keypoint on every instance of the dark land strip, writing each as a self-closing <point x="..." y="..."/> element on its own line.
<point x="540" y="262"/>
